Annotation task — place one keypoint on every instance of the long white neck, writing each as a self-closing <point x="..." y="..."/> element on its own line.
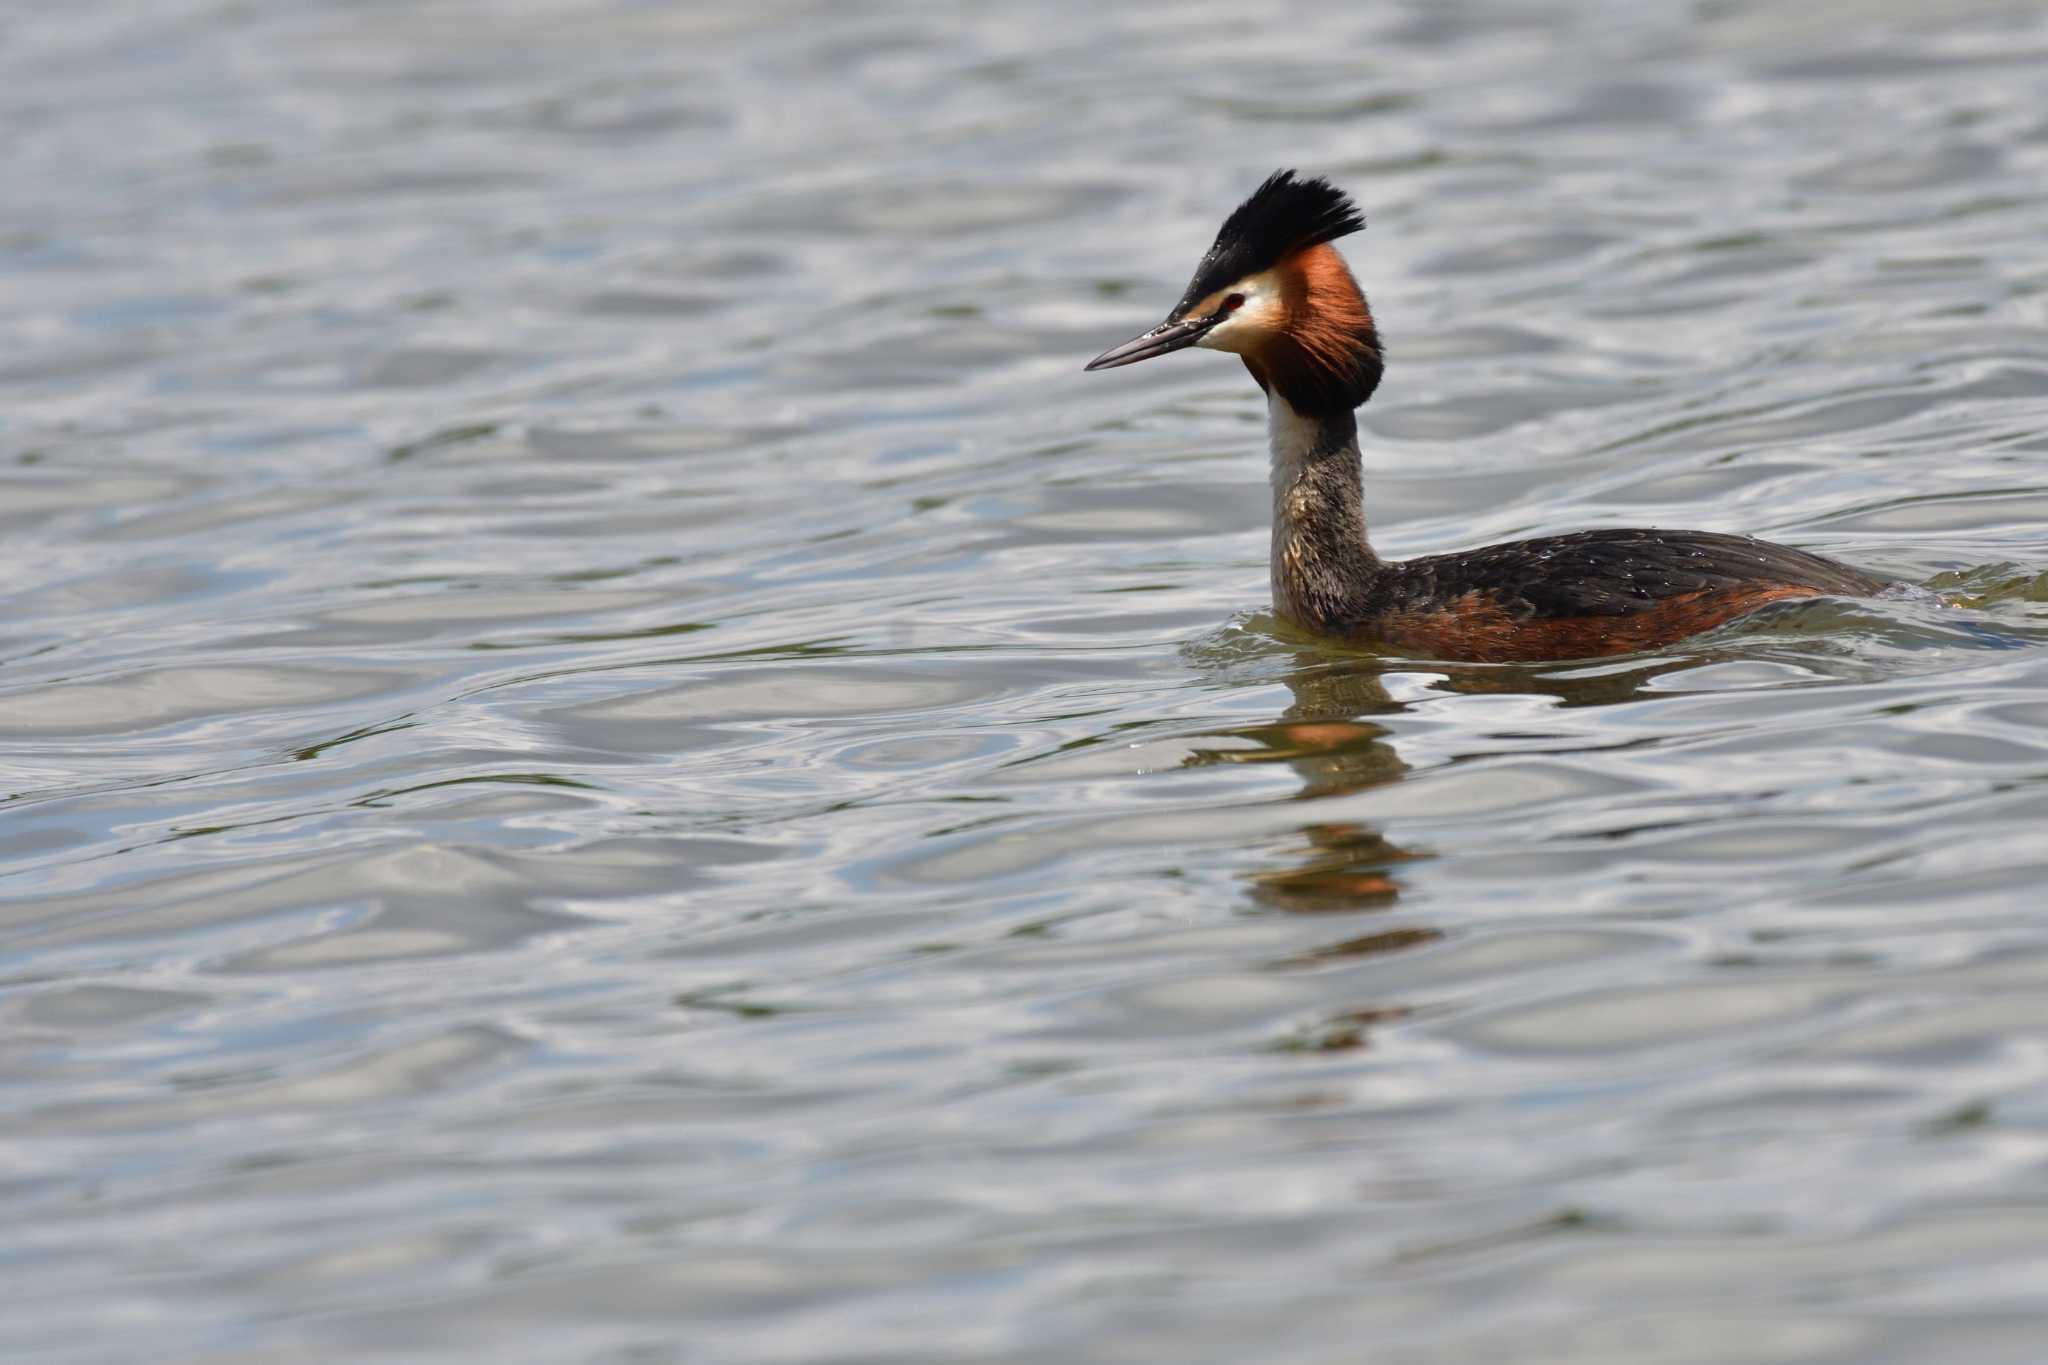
<point x="1294" y="440"/>
<point x="1321" y="564"/>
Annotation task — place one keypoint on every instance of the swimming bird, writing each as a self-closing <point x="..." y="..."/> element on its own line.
<point x="1274" y="291"/>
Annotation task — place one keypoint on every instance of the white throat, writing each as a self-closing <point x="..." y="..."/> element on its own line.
<point x="1292" y="438"/>
<point x="1319" y="542"/>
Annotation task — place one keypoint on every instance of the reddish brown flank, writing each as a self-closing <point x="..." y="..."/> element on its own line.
<point x="1476" y="627"/>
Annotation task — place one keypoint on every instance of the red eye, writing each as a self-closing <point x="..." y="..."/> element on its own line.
<point x="1233" y="303"/>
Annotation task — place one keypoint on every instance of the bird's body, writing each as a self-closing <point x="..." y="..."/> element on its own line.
<point x="1608" y="591"/>
<point x="1273" y="290"/>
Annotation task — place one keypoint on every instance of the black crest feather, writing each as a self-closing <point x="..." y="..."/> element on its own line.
<point x="1284" y="215"/>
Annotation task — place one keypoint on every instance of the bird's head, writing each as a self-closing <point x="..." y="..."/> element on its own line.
<point x="1275" y="292"/>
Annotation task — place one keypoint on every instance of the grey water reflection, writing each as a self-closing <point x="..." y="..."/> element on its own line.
<point x="608" y="753"/>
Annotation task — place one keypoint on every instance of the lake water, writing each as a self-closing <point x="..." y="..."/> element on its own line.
<point x="610" y="754"/>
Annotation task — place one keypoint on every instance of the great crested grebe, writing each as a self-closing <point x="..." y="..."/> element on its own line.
<point x="1274" y="291"/>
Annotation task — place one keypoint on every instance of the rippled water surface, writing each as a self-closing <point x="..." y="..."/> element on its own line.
<point x="610" y="753"/>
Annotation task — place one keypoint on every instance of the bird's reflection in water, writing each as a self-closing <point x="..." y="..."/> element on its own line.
<point x="1332" y="741"/>
<point x="1328" y="738"/>
<point x="1325" y="737"/>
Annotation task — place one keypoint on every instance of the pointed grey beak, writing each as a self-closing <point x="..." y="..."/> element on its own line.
<point x="1167" y="336"/>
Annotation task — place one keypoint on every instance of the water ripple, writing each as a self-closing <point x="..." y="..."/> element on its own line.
<point x="613" y="754"/>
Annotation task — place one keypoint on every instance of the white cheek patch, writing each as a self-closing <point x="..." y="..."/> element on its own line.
<point x="1255" y="320"/>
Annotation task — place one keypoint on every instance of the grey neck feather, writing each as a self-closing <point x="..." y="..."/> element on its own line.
<point x="1322" y="566"/>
